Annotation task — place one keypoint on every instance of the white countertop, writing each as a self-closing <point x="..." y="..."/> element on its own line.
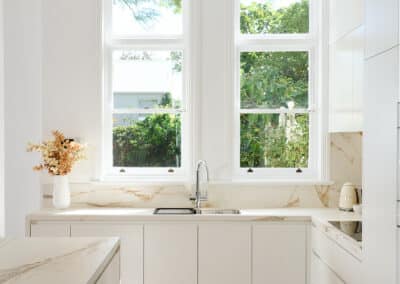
<point x="319" y="217"/>
<point x="140" y="215"/>
<point x="55" y="260"/>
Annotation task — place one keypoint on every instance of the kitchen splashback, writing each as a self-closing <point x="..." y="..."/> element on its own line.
<point x="345" y="166"/>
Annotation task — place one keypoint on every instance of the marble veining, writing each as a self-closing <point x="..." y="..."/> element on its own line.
<point x="59" y="260"/>
<point x="345" y="167"/>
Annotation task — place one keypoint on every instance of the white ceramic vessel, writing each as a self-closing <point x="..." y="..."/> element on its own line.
<point x="61" y="192"/>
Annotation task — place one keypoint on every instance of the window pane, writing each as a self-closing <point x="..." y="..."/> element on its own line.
<point x="274" y="140"/>
<point x="273" y="79"/>
<point x="274" y="16"/>
<point x="147" y="140"/>
<point x="147" y="79"/>
<point x="147" y="17"/>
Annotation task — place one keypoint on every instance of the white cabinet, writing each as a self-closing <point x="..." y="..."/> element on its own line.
<point x="345" y="16"/>
<point x="381" y="25"/>
<point x="280" y="254"/>
<point x="170" y="253"/>
<point x="346" y="266"/>
<point x="49" y="230"/>
<point x="131" y="237"/>
<point x="199" y="252"/>
<point x="380" y="166"/>
<point x="224" y="253"/>
<point x="322" y="273"/>
<point x="346" y="82"/>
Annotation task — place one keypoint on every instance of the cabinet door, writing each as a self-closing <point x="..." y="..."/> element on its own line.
<point x="341" y="85"/>
<point x="131" y="237"/>
<point x="380" y="167"/>
<point x="224" y="253"/>
<point x="170" y="254"/>
<point x="50" y="230"/>
<point x="344" y="16"/>
<point x="381" y="25"/>
<point x="358" y="40"/>
<point x="280" y="254"/>
<point x="321" y="273"/>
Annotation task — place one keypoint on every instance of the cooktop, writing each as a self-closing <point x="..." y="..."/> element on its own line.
<point x="350" y="228"/>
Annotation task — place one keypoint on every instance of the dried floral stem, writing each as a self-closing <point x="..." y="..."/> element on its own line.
<point x="58" y="155"/>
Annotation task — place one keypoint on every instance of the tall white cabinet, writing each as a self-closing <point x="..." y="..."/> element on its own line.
<point x="346" y="65"/>
<point x="381" y="142"/>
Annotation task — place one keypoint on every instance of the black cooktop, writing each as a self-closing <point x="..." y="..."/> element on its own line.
<point x="350" y="228"/>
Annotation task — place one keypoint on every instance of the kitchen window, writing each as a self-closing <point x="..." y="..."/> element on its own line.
<point x="276" y="113"/>
<point x="145" y="119"/>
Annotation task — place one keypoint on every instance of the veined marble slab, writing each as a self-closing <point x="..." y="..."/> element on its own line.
<point x="55" y="260"/>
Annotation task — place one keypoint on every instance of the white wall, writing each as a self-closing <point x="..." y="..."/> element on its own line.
<point x="72" y="83"/>
<point x="23" y="107"/>
<point x="2" y="215"/>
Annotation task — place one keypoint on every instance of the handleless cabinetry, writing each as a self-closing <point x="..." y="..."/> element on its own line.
<point x="380" y="167"/>
<point x="382" y="26"/>
<point x="196" y="250"/>
<point x="170" y="253"/>
<point x="38" y="230"/>
<point x="280" y="253"/>
<point x="322" y="273"/>
<point x="225" y="253"/>
<point x="346" y="66"/>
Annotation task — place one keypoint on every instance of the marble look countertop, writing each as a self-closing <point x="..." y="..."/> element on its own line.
<point x="55" y="260"/>
<point x="319" y="217"/>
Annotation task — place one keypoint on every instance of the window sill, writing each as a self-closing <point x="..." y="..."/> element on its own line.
<point x="273" y="182"/>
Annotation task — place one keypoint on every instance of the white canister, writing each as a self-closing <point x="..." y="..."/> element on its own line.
<point x="348" y="197"/>
<point x="61" y="193"/>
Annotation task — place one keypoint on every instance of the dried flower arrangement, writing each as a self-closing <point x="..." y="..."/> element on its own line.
<point x="58" y="155"/>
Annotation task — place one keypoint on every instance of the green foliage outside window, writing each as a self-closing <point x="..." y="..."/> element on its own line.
<point x="268" y="80"/>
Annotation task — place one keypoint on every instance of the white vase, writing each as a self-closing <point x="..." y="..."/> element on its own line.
<point x="61" y="193"/>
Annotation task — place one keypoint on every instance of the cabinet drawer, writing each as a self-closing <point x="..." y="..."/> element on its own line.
<point x="346" y="266"/>
<point x="50" y="230"/>
<point x="321" y="273"/>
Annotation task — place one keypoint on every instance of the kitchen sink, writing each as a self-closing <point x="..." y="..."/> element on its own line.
<point x="192" y="211"/>
<point x="220" y="211"/>
<point x="174" y="211"/>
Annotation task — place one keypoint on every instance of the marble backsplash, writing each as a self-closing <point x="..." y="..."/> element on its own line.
<point x="345" y="167"/>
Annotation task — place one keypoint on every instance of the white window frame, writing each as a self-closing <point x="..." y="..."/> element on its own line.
<point x="154" y="43"/>
<point x="310" y="43"/>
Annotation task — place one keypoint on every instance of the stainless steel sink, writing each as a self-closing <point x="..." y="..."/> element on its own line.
<point x="192" y="211"/>
<point x="220" y="211"/>
<point x="174" y="211"/>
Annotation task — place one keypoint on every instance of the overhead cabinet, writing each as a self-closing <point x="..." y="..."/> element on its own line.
<point x="346" y="79"/>
<point x="345" y="16"/>
<point x="381" y="26"/>
<point x="346" y="65"/>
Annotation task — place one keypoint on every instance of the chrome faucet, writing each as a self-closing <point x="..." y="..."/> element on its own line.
<point x="198" y="198"/>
